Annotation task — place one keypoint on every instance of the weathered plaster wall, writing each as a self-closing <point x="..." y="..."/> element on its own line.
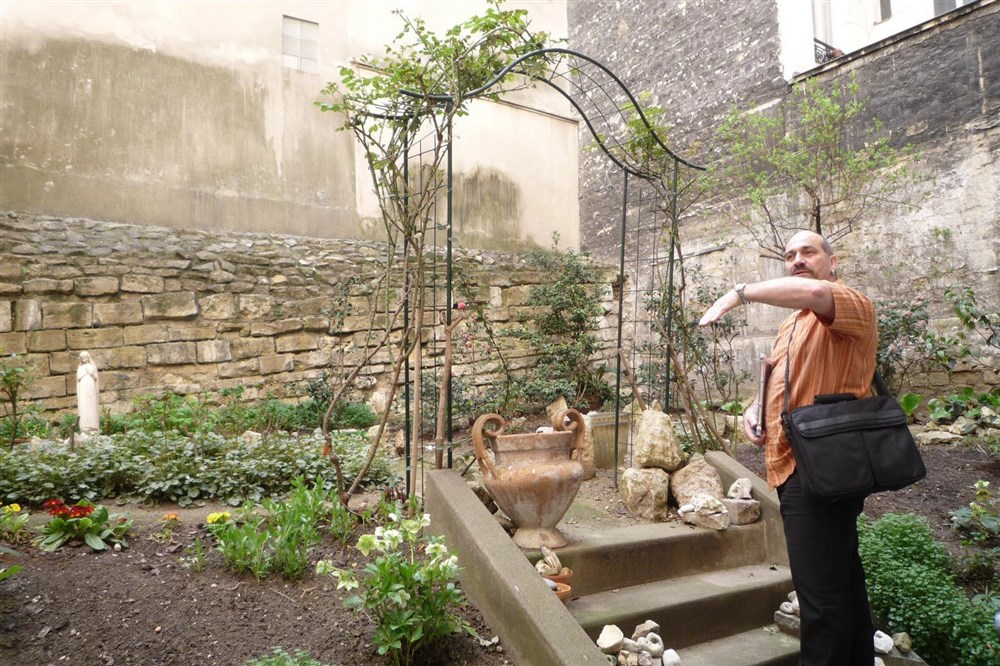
<point x="938" y="90"/>
<point x="201" y="311"/>
<point x="149" y="113"/>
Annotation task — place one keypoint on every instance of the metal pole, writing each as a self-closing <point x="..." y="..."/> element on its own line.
<point x="670" y="283"/>
<point x="449" y="280"/>
<point x="621" y="307"/>
<point x="406" y="321"/>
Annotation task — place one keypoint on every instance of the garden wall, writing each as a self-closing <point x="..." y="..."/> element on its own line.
<point x="195" y="311"/>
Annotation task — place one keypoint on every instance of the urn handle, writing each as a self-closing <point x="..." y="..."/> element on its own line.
<point x="576" y="425"/>
<point x="478" y="431"/>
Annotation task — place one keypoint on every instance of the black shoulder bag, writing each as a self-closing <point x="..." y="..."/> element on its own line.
<point x="848" y="448"/>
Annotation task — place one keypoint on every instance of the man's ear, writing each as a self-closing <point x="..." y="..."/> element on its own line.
<point x="833" y="264"/>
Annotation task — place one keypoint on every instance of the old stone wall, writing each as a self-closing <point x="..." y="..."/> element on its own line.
<point x="193" y="311"/>
<point x="936" y="89"/>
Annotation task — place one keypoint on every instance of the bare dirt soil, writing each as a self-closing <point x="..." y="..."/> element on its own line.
<point x="142" y="606"/>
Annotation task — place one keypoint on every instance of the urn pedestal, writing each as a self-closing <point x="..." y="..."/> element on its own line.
<point x="533" y="477"/>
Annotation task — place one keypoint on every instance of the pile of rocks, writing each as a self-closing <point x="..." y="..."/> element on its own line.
<point x="663" y="475"/>
<point x="645" y="648"/>
<point x="986" y="423"/>
<point x="787" y="618"/>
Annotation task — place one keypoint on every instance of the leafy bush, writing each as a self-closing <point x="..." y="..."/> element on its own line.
<point x="911" y="588"/>
<point x="280" y="536"/>
<point x="411" y="595"/>
<point x="185" y="470"/>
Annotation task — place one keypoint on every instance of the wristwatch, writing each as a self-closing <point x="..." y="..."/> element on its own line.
<point x="739" y="287"/>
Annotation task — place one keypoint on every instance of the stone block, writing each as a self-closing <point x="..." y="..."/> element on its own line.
<point x="47" y="286"/>
<point x="742" y="511"/>
<point x="316" y="359"/>
<point x="46" y="341"/>
<point x="47" y="387"/>
<point x="187" y="332"/>
<point x="27" y="315"/>
<point x="253" y="306"/>
<point x="67" y="315"/>
<point x="214" y="351"/>
<point x="117" y="314"/>
<point x="13" y="343"/>
<point x="276" y="363"/>
<point x="142" y="284"/>
<point x="656" y="443"/>
<point x="146" y="334"/>
<point x="250" y="347"/>
<point x="96" y="286"/>
<point x="316" y="324"/>
<point x="126" y="357"/>
<point x="238" y="369"/>
<point x="10" y="289"/>
<point x="790" y="624"/>
<point x="271" y="328"/>
<point x="173" y="305"/>
<point x="296" y="342"/>
<point x="171" y="353"/>
<point x="94" y="337"/>
<point x="117" y="380"/>
<point x="6" y="317"/>
<point x="219" y="306"/>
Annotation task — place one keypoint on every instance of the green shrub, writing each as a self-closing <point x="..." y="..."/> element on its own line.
<point x="911" y="588"/>
<point x="185" y="470"/>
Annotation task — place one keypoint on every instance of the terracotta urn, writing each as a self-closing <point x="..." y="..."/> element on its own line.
<point x="533" y="477"/>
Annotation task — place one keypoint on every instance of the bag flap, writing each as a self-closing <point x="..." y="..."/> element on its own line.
<point x="866" y="414"/>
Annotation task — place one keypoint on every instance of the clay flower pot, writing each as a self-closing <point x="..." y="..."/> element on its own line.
<point x="565" y="576"/>
<point x="533" y="477"/>
<point x="563" y="592"/>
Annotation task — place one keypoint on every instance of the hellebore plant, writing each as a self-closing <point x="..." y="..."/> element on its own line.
<point x="82" y="522"/>
<point x="410" y="594"/>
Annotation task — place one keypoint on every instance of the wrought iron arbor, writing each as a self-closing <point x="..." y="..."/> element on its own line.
<point x="649" y="214"/>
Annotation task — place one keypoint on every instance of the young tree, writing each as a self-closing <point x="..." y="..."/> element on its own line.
<point x="811" y="163"/>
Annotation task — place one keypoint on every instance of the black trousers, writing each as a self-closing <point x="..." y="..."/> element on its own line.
<point x="822" y="540"/>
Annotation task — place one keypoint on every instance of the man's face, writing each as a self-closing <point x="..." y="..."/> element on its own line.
<point x="805" y="257"/>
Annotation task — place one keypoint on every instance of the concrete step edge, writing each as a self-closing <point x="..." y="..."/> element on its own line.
<point x="760" y="646"/>
<point x="687" y="607"/>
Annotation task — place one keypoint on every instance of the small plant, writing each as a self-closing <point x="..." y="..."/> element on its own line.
<point x="194" y="556"/>
<point x="967" y="403"/>
<point x="909" y="402"/>
<point x="15" y="378"/>
<point x="7" y="572"/>
<point x="243" y="544"/>
<point x="279" y="657"/>
<point x="410" y="594"/>
<point x="981" y="519"/>
<point x="168" y="523"/>
<point x="82" y="522"/>
<point x="13" y="523"/>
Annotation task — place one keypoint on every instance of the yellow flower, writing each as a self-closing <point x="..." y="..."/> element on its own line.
<point x="218" y="517"/>
<point x="12" y="508"/>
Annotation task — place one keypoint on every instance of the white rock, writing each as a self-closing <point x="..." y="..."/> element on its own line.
<point x="651" y="643"/>
<point x="671" y="658"/>
<point x="629" y="645"/>
<point x="656" y="444"/>
<point x="644" y="629"/>
<point x="787" y="608"/>
<point x="610" y="640"/>
<point x="712" y="521"/>
<point x="879" y="662"/>
<point x="740" y="489"/>
<point x="883" y="643"/>
<point x="742" y="511"/>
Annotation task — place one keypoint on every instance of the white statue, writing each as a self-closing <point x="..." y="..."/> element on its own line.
<point x="87" y="395"/>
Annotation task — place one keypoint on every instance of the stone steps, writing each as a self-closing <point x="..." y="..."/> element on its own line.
<point x="761" y="646"/>
<point x="691" y="609"/>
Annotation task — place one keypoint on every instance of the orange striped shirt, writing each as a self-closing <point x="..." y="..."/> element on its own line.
<point x="827" y="357"/>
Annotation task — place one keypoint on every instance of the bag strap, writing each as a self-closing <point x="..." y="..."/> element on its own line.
<point x="881" y="387"/>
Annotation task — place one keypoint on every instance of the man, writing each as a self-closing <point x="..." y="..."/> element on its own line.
<point x="831" y="350"/>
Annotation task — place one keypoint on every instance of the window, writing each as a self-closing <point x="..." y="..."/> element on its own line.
<point x="299" y="44"/>
<point x="884" y="12"/>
